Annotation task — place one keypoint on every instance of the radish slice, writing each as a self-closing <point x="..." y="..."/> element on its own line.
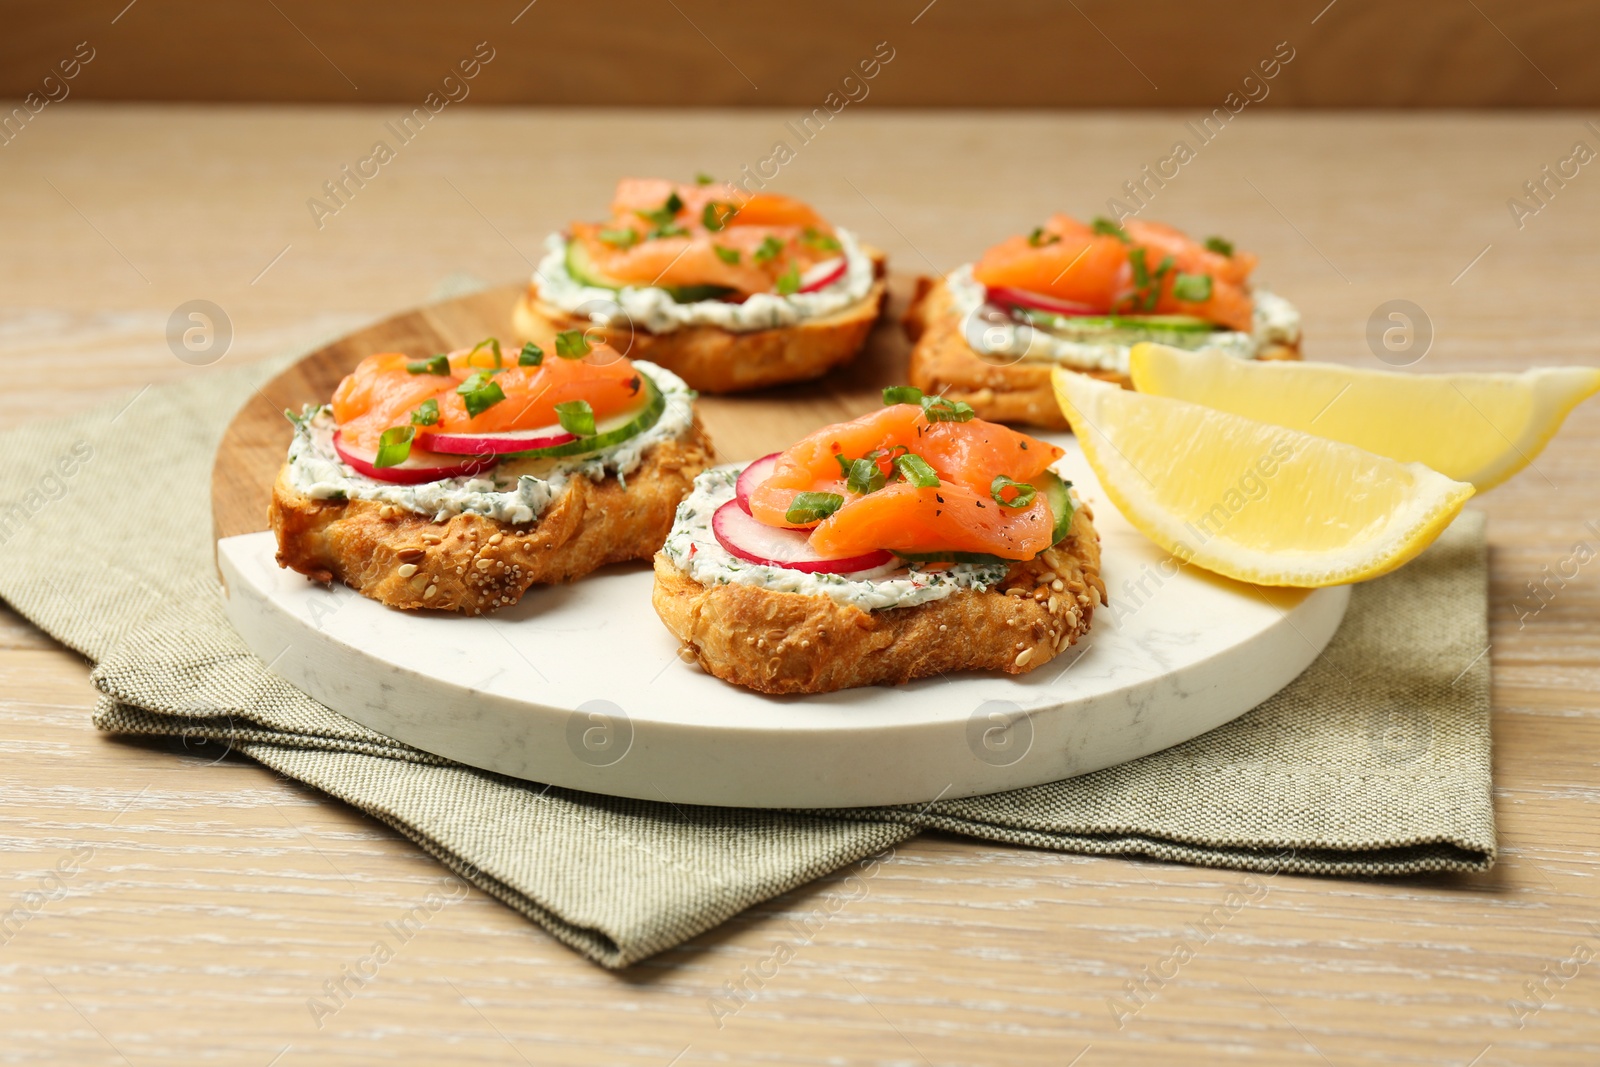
<point x="1038" y="301"/>
<point x="419" y="466"/>
<point x="752" y="476"/>
<point x="822" y="275"/>
<point x="757" y="542"/>
<point x="493" y="444"/>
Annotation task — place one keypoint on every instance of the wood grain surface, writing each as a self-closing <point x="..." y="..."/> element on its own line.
<point x="213" y="900"/>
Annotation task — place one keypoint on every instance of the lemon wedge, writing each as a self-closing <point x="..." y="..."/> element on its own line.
<point x="1478" y="428"/>
<point x="1250" y="500"/>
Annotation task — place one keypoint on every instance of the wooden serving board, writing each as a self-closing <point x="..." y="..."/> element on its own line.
<point x="742" y="426"/>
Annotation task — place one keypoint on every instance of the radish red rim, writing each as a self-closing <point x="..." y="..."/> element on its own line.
<point x="823" y="275"/>
<point x="414" y="471"/>
<point x="753" y="541"/>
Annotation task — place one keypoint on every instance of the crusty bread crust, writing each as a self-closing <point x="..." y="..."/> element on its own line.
<point x="713" y="360"/>
<point x="780" y="643"/>
<point x="943" y="362"/>
<point x="474" y="564"/>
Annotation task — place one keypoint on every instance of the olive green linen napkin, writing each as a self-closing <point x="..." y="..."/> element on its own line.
<point x="1374" y="762"/>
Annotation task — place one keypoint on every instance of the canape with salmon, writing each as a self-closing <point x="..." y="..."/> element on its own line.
<point x="910" y="542"/>
<point x="456" y="481"/>
<point x="1081" y="295"/>
<point x="727" y="289"/>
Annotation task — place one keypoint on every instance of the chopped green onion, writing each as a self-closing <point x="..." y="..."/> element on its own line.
<point x="815" y="238"/>
<point x="427" y="413"/>
<point x="717" y="215"/>
<point x="439" y="364"/>
<point x="838" y="457"/>
<point x="479" y="393"/>
<point x="572" y="344"/>
<point x="789" y="280"/>
<point x="938" y="409"/>
<point x="866" y="476"/>
<point x="394" y="446"/>
<point x="1220" y="245"/>
<point x="1194" y="288"/>
<point x="493" y="343"/>
<point x="671" y="229"/>
<point x="727" y="255"/>
<point x="531" y="356"/>
<point x="768" y="251"/>
<point x="811" y="507"/>
<point x="703" y="178"/>
<point x="576" y="416"/>
<point x="902" y="394"/>
<point x="623" y="238"/>
<point x="1023" y="496"/>
<point x="915" y="469"/>
<point x="663" y="215"/>
<point x="1106" y="227"/>
<point x="1038" y="238"/>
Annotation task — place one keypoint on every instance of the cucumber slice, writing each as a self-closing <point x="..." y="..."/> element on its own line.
<point x="1166" y="322"/>
<point x="1088" y="324"/>
<point x="585" y="271"/>
<point x="1054" y="488"/>
<point x="609" y="431"/>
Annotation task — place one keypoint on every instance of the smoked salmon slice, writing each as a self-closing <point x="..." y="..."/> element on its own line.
<point x="960" y="514"/>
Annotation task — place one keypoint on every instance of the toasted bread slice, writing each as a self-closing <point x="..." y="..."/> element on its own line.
<point x="779" y="643"/>
<point x="474" y="564"/>
<point x="713" y="360"/>
<point x="942" y="362"/>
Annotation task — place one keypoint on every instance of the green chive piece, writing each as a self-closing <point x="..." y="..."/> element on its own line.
<point x="394" y="446"/>
<point x="1038" y="238"/>
<point x="663" y="215"/>
<point x="1220" y="245"/>
<point x="531" y="356"/>
<point x="902" y="394"/>
<point x="439" y="364"/>
<point x="1022" y="493"/>
<point x="703" y="178"/>
<point x="815" y="238"/>
<point x="789" y="280"/>
<point x="427" y="413"/>
<point x="727" y="255"/>
<point x="671" y="229"/>
<point x="938" y="409"/>
<point x="623" y="238"/>
<point x="1194" y="288"/>
<point x="716" y="215"/>
<point x="479" y="393"/>
<point x="812" y="507"/>
<point x="572" y="344"/>
<point x="1106" y="227"/>
<point x="866" y="476"/>
<point x="491" y="343"/>
<point x="576" y="416"/>
<point x="838" y="457"/>
<point x="915" y="470"/>
<point x="768" y="251"/>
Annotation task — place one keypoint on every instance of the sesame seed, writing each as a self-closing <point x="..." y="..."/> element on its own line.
<point x="410" y="555"/>
<point x="497" y="538"/>
<point x="483" y="564"/>
<point x="427" y="594"/>
<point x="1024" y="656"/>
<point x="406" y="570"/>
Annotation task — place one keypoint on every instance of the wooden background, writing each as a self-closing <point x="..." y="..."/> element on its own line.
<point x="216" y="899"/>
<point x="947" y="53"/>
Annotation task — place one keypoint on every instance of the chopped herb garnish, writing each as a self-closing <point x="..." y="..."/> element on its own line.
<point x="727" y="255"/>
<point x="576" y="416"/>
<point x="1194" y="288"/>
<point x="768" y="251"/>
<point x="939" y="409"/>
<point x="531" y="355"/>
<point x="302" y="419"/>
<point x="572" y="344"/>
<point x="789" y="280"/>
<point x="838" y="457"/>
<point x="1106" y="227"/>
<point x="439" y="364"/>
<point x="663" y="215"/>
<point x="671" y="229"/>
<point x="1220" y="245"/>
<point x="427" y="413"/>
<point x="623" y="238"/>
<point x="1147" y="286"/>
<point x="491" y="343"/>
<point x="915" y="469"/>
<point x="1010" y="494"/>
<point x="703" y="178"/>
<point x="480" y="393"/>
<point x="716" y="215"/>
<point x="1038" y="238"/>
<point x="815" y="238"/>
<point x="394" y="446"/>
<point x="866" y="476"/>
<point x="902" y="394"/>
<point x="812" y="507"/>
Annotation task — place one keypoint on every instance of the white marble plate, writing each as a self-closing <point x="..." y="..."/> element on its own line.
<point x="581" y="685"/>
